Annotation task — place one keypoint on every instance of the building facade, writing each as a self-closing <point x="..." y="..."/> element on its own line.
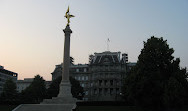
<point x="102" y="77"/>
<point x="107" y="70"/>
<point x="4" y="75"/>
<point x="23" y="84"/>
<point x="81" y="73"/>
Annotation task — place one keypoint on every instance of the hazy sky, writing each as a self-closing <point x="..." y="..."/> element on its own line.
<point x="32" y="40"/>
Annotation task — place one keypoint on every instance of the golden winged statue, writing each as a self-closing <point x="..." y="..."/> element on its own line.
<point x="68" y="16"/>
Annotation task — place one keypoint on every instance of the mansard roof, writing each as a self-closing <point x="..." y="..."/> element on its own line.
<point x="106" y="58"/>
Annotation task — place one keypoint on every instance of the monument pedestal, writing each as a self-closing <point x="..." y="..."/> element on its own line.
<point x="64" y="96"/>
<point x="65" y="89"/>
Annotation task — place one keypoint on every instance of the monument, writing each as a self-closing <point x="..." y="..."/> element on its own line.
<point x="64" y="101"/>
<point x="65" y="86"/>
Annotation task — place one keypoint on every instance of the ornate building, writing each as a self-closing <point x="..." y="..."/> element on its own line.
<point x="107" y="70"/>
<point x="102" y="77"/>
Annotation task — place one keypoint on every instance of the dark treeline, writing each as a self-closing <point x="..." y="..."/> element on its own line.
<point x="157" y="82"/>
<point x="37" y="91"/>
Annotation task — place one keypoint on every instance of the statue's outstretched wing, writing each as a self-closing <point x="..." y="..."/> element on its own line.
<point x="72" y="16"/>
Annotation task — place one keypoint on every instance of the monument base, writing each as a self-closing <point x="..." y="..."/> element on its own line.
<point x="65" y="89"/>
<point x="64" y="96"/>
<point x="64" y="101"/>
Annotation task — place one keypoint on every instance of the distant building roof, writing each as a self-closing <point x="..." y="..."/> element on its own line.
<point x="26" y="80"/>
<point x="1" y="67"/>
<point x="2" y="70"/>
<point x="79" y="65"/>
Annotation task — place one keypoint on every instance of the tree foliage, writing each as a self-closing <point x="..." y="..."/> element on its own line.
<point x="53" y="90"/>
<point x="76" y="90"/>
<point x="36" y="92"/>
<point x="156" y="81"/>
<point x="9" y="94"/>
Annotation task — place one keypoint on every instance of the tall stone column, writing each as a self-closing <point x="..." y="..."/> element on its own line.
<point x="64" y="101"/>
<point x="65" y="86"/>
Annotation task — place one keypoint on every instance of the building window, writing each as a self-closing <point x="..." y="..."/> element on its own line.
<point x="105" y="82"/>
<point x="111" y="82"/>
<point x="117" y="83"/>
<point x="85" y="99"/>
<point x="82" y="77"/>
<point x="100" y="82"/>
<point x="77" y="70"/>
<point x="96" y="84"/>
<point x="86" y="77"/>
<point x="86" y="93"/>
<point x="105" y="91"/>
<point x="100" y="90"/>
<point x="117" y="90"/>
<point x="95" y="91"/>
<point x="78" y="77"/>
<point x="83" y="84"/>
<point x="85" y="70"/>
<point x="111" y="91"/>
<point x="111" y="75"/>
<point x="106" y="67"/>
<point x="86" y="85"/>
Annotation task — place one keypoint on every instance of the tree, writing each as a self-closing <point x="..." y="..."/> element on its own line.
<point x="36" y="92"/>
<point x="154" y="77"/>
<point x="9" y="94"/>
<point x="53" y="90"/>
<point x="76" y="90"/>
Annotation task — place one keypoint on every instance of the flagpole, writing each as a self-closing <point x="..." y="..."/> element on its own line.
<point x="108" y="44"/>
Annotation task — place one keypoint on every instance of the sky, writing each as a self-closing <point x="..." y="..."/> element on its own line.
<point x="32" y="40"/>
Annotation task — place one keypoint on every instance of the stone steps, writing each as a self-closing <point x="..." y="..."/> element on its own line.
<point x="59" y="100"/>
<point x="45" y="107"/>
